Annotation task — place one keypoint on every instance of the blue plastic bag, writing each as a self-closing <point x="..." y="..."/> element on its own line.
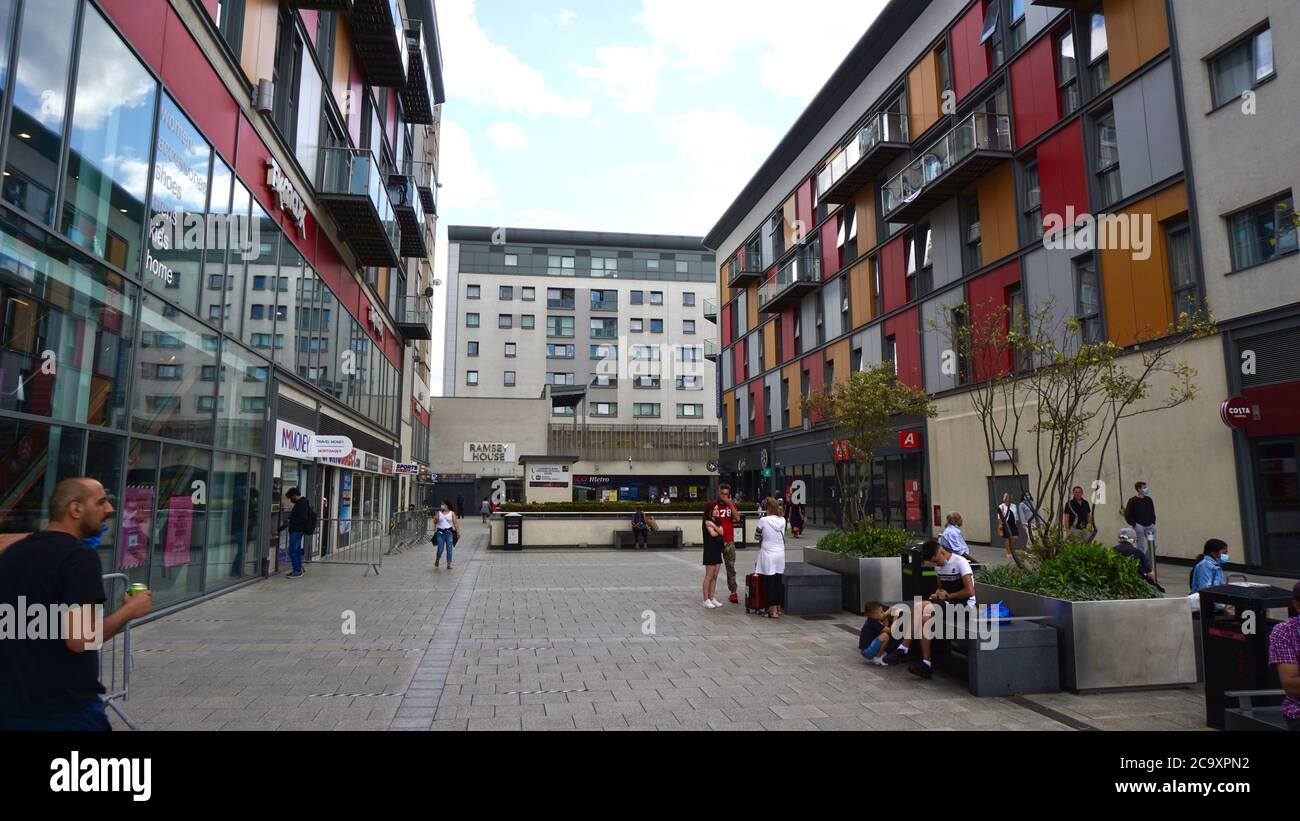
<point x="998" y="611"/>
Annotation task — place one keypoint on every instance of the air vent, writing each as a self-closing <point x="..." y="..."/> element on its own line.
<point x="1277" y="357"/>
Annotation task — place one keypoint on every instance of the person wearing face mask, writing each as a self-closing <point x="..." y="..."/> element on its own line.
<point x="1208" y="572"/>
<point x="448" y="532"/>
<point x="1140" y="513"/>
<point x="1029" y="517"/>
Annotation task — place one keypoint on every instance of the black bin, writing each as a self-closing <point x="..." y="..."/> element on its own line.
<point x="514" y="531"/>
<point x="1234" y="635"/>
<point x="918" y="580"/>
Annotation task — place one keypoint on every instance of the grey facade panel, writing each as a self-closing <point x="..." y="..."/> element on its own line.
<point x="1162" y="122"/>
<point x="831" y="307"/>
<point x="871" y="344"/>
<point x="751" y="352"/>
<point x="773" y="383"/>
<point x="1131" y="134"/>
<point x="1048" y="276"/>
<point x="935" y="340"/>
<point x="946" y="223"/>
<point x="741" y="310"/>
<point x="728" y="378"/>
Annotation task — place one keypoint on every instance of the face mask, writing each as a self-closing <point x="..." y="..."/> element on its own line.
<point x="1224" y="559"/>
<point x="1146" y="491"/>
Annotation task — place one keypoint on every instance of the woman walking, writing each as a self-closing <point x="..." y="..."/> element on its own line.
<point x="1009" y="525"/>
<point x="770" y="565"/>
<point x="713" y="545"/>
<point x="448" y="532"/>
<point x="485" y="510"/>
<point x="796" y="520"/>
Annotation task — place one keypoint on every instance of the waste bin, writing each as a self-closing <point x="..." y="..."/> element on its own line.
<point x="514" y="531"/>
<point x="1234" y="635"/>
<point x="918" y="580"/>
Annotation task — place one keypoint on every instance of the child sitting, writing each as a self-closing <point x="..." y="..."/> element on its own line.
<point x="873" y="641"/>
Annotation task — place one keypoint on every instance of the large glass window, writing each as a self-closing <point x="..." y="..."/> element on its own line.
<point x="66" y="330"/>
<point x="1108" y="180"/>
<point x="295" y="274"/>
<point x="1242" y="67"/>
<point x="1263" y="232"/>
<point x="1067" y="72"/>
<point x="165" y="407"/>
<point x="33" y="459"/>
<point x="1182" y="268"/>
<point x="39" y="100"/>
<point x="1088" y="300"/>
<point x="177" y="234"/>
<point x="180" y="524"/>
<point x="241" y="417"/>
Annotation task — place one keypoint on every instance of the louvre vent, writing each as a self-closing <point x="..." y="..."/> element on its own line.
<point x="1277" y="357"/>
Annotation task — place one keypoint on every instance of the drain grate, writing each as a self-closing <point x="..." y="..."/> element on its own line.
<point x="543" y="692"/>
<point x="354" y="695"/>
<point x="201" y="621"/>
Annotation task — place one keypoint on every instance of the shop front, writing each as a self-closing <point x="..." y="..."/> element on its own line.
<point x="649" y="489"/>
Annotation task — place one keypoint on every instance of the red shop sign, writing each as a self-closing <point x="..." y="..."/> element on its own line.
<point x="1237" y="412"/>
<point x="909" y="440"/>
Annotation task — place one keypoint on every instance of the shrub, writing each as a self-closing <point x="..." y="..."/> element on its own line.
<point x="1081" y="571"/>
<point x="871" y="543"/>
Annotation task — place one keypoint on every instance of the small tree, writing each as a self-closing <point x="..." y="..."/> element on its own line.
<point x="859" y="411"/>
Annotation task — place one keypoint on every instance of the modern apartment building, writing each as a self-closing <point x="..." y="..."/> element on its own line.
<point x="917" y="190"/>
<point x="215" y="244"/>
<point x="614" y="324"/>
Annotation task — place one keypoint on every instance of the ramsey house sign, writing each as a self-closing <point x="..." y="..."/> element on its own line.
<point x="490" y="452"/>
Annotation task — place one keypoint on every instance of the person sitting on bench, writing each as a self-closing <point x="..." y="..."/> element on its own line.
<point x="1284" y="654"/>
<point x="640" y="528"/>
<point x="954" y="601"/>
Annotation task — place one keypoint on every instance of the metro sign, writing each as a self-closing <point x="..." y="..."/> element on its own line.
<point x="909" y="440"/>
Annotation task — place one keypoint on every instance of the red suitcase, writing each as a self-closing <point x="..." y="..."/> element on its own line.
<point x="754" y="601"/>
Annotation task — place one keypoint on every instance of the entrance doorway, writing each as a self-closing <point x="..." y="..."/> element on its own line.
<point x="1277" y="462"/>
<point x="998" y="485"/>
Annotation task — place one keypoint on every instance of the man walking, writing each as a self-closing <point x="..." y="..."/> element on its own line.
<point x="724" y="513"/>
<point x="1140" y="513"/>
<point x="1078" y="517"/>
<point x="952" y="537"/>
<point x="301" y="522"/>
<point x="52" y="683"/>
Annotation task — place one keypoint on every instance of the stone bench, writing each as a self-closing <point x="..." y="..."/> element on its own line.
<point x="1025" y="660"/>
<point x="811" y="590"/>
<point x="626" y="539"/>
<point x="1256" y="717"/>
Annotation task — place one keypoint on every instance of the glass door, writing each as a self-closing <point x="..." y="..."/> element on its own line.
<point x="1279" y="502"/>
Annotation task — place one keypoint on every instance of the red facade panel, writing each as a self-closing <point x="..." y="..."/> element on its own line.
<point x="144" y="24"/>
<point x="1061" y="173"/>
<point x="907" y="347"/>
<point x="893" y="273"/>
<point x="987" y="296"/>
<point x="970" y="60"/>
<point x="803" y="205"/>
<point x="191" y="79"/>
<point x="310" y="21"/>
<point x="1034" y="100"/>
<point x="727" y="311"/>
<point x="830" y="249"/>
<point x="357" y="82"/>
<point x="1277" y="404"/>
<point x="756" y="402"/>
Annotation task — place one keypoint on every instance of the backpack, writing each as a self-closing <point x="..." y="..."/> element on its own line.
<point x="312" y="520"/>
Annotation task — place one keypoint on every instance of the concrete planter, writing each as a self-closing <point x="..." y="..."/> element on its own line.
<point x="862" y="580"/>
<point x="1112" y="645"/>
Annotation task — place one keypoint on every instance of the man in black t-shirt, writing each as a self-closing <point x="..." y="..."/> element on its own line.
<point x="49" y="675"/>
<point x="1078" y="517"/>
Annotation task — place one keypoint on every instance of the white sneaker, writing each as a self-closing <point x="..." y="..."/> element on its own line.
<point x="709" y="604"/>
<point x="716" y="603"/>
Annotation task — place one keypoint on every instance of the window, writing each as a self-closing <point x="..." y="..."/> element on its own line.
<point x="688" y="326"/>
<point x="638" y="325"/>
<point x="511" y="350"/>
<point x="1019" y="323"/>
<point x="1018" y="27"/>
<point x="819" y="319"/>
<point x="604" y="408"/>
<point x="209" y="373"/>
<point x="1087" y="297"/>
<point x="1108" y="182"/>
<point x="846" y="321"/>
<point x="682" y="266"/>
<point x="604" y="352"/>
<point x="557" y="378"/>
<point x="920" y="262"/>
<point x="1182" y="268"/>
<point x="602" y="266"/>
<point x="762" y="351"/>
<point x="230" y="22"/>
<point x="1098" y="65"/>
<point x="697" y="411"/>
<point x="767" y="408"/>
<point x="646" y="383"/>
<point x="286" y="76"/>
<point x="645" y="353"/>
<point x="560" y="298"/>
<point x="785" y="401"/>
<point x="471" y="377"/>
<point x="652" y="265"/>
<point x="877" y="289"/>
<point x="1263" y="232"/>
<point x="267" y="341"/>
<point x="798" y="332"/>
<point x="656" y="326"/>
<point x="207" y="404"/>
<point x="656" y="297"/>
<point x="1067" y="70"/>
<point x="857" y="360"/>
<point x="257" y="312"/>
<point x="167" y="371"/>
<point x="992" y="38"/>
<point x="690" y="354"/>
<point x="471" y="320"/>
<point x="973" y="246"/>
<point x="512" y="260"/>
<point x="1033" y="202"/>
<point x="527" y="322"/>
<point x="510" y="377"/>
<point x="259" y="282"/>
<point x="505" y="320"/>
<point x="564" y="411"/>
<point x="560" y="266"/>
<point x="281" y="312"/>
<point x="604" y="381"/>
<point x="828" y="375"/>
<point x="1242" y="67"/>
<point x="688" y="299"/>
<point x="604" y="300"/>
<point x="252" y="404"/>
<point x="472" y="349"/>
<point x="945" y="69"/>
<point x="472" y="292"/>
<point x="645" y="410"/>
<point x="891" y="353"/>
<point x="604" y="328"/>
<point x="529" y="294"/>
<point x="559" y="351"/>
<point x="559" y="326"/>
<point x="805" y="385"/>
<point x="638" y="297"/>
<point x="162" y="403"/>
<point x="690" y="383"/>
<point x="506" y="293"/>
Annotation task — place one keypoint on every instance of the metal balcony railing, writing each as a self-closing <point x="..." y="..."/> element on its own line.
<point x="417" y="94"/>
<point x="876" y="144"/>
<point x="415" y="317"/>
<point x="409" y="207"/>
<point x="426" y="182"/>
<point x="977" y="133"/>
<point x="379" y="34"/>
<point x="801" y="273"/>
<point x="356" y="194"/>
<point x="711" y="350"/>
<point x="711" y="310"/>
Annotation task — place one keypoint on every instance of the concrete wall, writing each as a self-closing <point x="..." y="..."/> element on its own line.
<point x="455" y="421"/>
<point x="1185" y="454"/>
<point x="559" y="530"/>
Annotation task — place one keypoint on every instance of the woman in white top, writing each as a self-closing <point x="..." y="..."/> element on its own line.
<point x="448" y="532"/>
<point x="1009" y="523"/>
<point x="771" y="557"/>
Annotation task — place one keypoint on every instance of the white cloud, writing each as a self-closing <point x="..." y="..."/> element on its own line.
<point x="508" y="137"/>
<point x="629" y="74"/>
<point x="465" y="184"/>
<point x="565" y="18"/>
<point x="797" y="45"/>
<point x="483" y="72"/>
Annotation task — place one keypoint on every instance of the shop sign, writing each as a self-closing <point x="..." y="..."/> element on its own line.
<point x="287" y="198"/>
<point x="1237" y="412"/>
<point x="909" y="440"/>
<point x="293" y="441"/>
<point x="843" y="450"/>
<point x="593" y="480"/>
<point x="412" y="468"/>
<point x="548" y="475"/>
<point x="386" y="466"/>
<point x="912" y="495"/>
<point x="490" y="452"/>
<point x="372" y="463"/>
<point x="331" y="447"/>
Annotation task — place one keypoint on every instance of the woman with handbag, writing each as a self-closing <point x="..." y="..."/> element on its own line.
<point x="1009" y="525"/>
<point x="640" y="528"/>
<point x="447" y="533"/>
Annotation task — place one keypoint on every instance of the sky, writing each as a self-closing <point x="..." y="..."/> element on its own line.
<point x="639" y="116"/>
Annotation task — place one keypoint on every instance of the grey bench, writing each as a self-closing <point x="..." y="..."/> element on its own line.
<point x="1025" y="660"/>
<point x="1249" y="716"/>
<point x="811" y="590"/>
<point x="626" y="539"/>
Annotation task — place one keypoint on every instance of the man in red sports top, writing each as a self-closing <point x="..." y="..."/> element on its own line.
<point x="724" y="513"/>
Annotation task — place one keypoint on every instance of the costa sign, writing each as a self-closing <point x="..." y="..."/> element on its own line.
<point x="1237" y="412"/>
<point x="287" y="198"/>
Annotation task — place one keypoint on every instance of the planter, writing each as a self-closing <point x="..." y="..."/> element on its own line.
<point x="861" y="580"/>
<point x="1110" y="645"/>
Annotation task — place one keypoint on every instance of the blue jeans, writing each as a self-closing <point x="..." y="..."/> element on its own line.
<point x="92" y="719"/>
<point x="446" y="539"/>
<point x="295" y="550"/>
<point x="872" y="650"/>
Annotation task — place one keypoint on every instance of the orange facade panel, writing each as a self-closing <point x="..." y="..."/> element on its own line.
<point x="339" y="84"/>
<point x="866" y="205"/>
<point x="751" y="304"/>
<point x="997" y="198"/>
<point x="840" y="354"/>
<point x="1138" y="296"/>
<point x="860" y="301"/>
<point x="790" y="373"/>
<point x="769" y="343"/>
<point x="923" y="94"/>
<point x="261" y="23"/>
<point x="1136" y="31"/>
<point x="728" y="418"/>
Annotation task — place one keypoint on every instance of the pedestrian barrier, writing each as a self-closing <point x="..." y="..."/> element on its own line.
<point x="408" y="529"/>
<point x="360" y="542"/>
<point x="115" y="654"/>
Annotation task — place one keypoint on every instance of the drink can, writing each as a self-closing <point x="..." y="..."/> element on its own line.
<point x="136" y="588"/>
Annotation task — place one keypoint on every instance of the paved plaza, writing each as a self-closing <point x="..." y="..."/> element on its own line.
<point x="555" y="640"/>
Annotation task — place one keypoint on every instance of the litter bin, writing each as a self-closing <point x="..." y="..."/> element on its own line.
<point x="918" y="580"/>
<point x="514" y="531"/>
<point x="1234" y="635"/>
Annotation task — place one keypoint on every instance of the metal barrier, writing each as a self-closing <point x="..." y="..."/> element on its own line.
<point x="408" y="529"/>
<point x="110" y="651"/>
<point x="360" y="542"/>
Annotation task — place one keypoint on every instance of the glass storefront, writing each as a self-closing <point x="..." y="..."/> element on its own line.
<point x="135" y="351"/>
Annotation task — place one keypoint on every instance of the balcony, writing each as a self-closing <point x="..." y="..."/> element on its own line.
<point x="354" y="192"/>
<point x="379" y="36"/>
<point x="410" y="215"/>
<point x="711" y="310"/>
<point x="970" y="149"/>
<point x="875" y="146"/>
<point x="746" y="271"/>
<point x="415" y="318"/>
<point x="417" y="94"/>
<point x="608" y="305"/>
<point x="426" y="182"/>
<point x="797" y="277"/>
<point x="711" y="350"/>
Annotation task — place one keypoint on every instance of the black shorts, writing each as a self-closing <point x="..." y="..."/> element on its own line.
<point x="1011" y="528"/>
<point x="712" y="551"/>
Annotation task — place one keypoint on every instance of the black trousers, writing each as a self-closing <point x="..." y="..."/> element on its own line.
<point x="774" y="589"/>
